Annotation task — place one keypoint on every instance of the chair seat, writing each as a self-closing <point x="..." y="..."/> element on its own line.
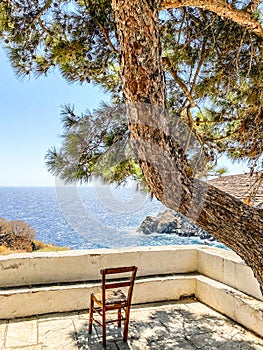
<point x="111" y="297"/>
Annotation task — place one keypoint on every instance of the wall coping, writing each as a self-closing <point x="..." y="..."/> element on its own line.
<point x="226" y="254"/>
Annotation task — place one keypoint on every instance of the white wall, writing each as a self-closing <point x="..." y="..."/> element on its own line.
<point x="84" y="265"/>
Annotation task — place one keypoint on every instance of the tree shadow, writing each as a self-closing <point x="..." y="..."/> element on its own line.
<point x="170" y="328"/>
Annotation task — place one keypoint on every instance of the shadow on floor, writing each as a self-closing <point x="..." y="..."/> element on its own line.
<point x="171" y="329"/>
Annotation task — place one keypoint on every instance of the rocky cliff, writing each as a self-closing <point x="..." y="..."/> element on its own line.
<point x="171" y="222"/>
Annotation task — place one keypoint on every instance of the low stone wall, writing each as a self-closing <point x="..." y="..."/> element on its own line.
<point x="28" y="269"/>
<point x="39" y="283"/>
<point x="227" y="267"/>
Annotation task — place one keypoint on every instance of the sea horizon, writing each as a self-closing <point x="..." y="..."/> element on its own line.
<point x="87" y="217"/>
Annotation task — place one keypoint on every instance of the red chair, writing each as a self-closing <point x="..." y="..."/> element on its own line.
<point x="112" y="297"/>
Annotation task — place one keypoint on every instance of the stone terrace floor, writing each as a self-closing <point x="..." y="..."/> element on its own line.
<point x="186" y="325"/>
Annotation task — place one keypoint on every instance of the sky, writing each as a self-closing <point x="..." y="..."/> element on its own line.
<point x="30" y="123"/>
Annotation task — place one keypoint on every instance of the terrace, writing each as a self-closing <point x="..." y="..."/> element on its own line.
<point x="186" y="325"/>
<point x="185" y="297"/>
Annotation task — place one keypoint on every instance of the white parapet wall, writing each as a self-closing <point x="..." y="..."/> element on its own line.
<point x="84" y="265"/>
<point x="38" y="283"/>
<point x="227" y="267"/>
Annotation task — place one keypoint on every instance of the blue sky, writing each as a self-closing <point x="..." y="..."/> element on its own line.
<point x="30" y="123"/>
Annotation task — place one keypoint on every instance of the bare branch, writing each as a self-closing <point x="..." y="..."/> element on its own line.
<point x="173" y="72"/>
<point x="43" y="9"/>
<point x="43" y="27"/>
<point x="37" y="17"/>
<point x="192" y="125"/>
<point x="200" y="64"/>
<point x="104" y="32"/>
<point x="239" y="50"/>
<point x="222" y="9"/>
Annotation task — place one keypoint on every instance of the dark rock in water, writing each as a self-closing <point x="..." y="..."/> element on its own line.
<point x="171" y="222"/>
<point x="149" y="225"/>
<point x="165" y="222"/>
<point x="205" y="235"/>
<point x="168" y="222"/>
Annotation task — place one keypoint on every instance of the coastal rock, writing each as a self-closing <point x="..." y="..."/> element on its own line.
<point x="166" y="222"/>
<point x="171" y="222"/>
<point x="148" y="226"/>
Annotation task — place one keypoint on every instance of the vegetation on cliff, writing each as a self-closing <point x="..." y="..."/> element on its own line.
<point x="18" y="236"/>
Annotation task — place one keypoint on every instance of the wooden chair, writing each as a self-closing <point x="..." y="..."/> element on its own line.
<point x="113" y="298"/>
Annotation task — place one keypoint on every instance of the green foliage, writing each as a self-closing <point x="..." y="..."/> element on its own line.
<point x="72" y="36"/>
<point x="94" y="144"/>
<point x="219" y="65"/>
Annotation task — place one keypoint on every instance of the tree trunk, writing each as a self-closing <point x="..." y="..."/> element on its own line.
<point x="158" y="146"/>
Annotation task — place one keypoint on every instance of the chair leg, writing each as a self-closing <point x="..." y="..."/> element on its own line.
<point x="119" y="317"/>
<point x="126" y="324"/>
<point x="91" y="314"/>
<point x="104" y="328"/>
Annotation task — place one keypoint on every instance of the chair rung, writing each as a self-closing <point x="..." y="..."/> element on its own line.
<point x="109" y="321"/>
<point x="99" y="312"/>
<point x="117" y="270"/>
<point x="98" y="322"/>
<point x="117" y="285"/>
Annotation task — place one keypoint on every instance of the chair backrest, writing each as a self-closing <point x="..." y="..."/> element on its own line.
<point x="116" y="272"/>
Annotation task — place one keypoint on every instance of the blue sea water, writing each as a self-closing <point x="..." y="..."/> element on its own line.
<point x="86" y="217"/>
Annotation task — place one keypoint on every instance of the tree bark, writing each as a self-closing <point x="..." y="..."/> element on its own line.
<point x="158" y="145"/>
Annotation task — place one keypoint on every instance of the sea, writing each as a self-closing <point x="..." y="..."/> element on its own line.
<point x="87" y="217"/>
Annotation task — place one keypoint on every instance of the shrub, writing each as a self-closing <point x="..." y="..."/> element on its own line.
<point x="5" y="227"/>
<point x="22" y="229"/>
<point x="16" y="235"/>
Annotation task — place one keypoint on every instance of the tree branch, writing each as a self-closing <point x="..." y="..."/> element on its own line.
<point x="168" y="64"/>
<point x="43" y="27"/>
<point x="253" y="5"/>
<point x="43" y="9"/>
<point x="200" y="64"/>
<point x="222" y="9"/>
<point x="104" y="32"/>
<point x="37" y="17"/>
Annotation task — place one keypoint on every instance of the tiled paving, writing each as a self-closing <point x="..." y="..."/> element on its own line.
<point x="186" y="325"/>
